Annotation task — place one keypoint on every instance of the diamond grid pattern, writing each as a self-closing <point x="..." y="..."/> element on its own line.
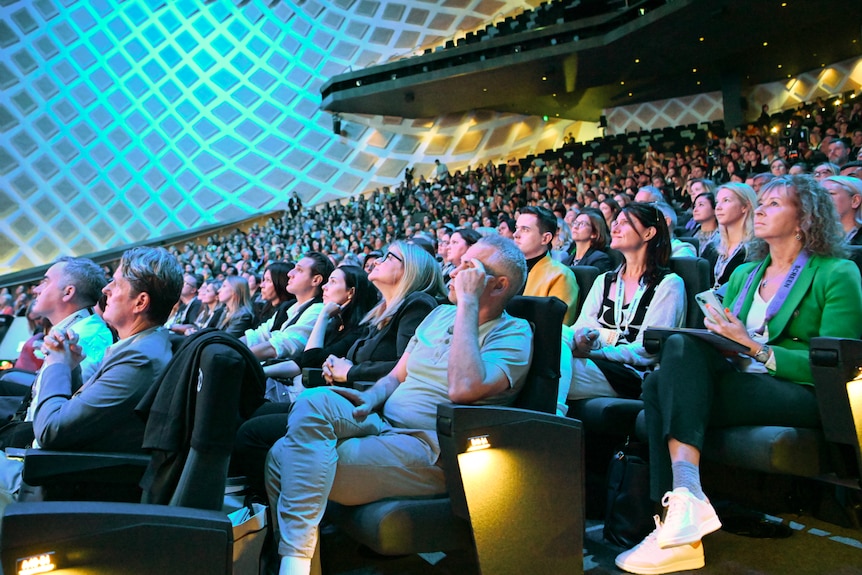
<point x="122" y="121"/>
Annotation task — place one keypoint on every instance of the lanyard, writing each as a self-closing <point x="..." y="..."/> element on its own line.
<point x="782" y="293"/>
<point x="623" y="323"/>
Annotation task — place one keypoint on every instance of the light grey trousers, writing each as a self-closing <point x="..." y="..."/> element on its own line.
<point x="327" y="454"/>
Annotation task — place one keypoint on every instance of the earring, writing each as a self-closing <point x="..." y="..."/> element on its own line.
<point x="798" y="237"/>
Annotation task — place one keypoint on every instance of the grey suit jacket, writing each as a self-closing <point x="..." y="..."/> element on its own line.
<point x="100" y="416"/>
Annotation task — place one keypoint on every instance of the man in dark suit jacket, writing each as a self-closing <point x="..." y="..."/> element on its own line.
<point x="100" y="415"/>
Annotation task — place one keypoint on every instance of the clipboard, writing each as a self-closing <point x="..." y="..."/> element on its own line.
<point x="654" y="337"/>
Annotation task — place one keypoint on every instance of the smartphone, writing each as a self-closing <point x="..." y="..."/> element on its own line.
<point x="708" y="297"/>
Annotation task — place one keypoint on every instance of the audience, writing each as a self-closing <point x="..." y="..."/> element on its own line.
<point x="311" y="316"/>
<point x="798" y="237"/>
<point x="591" y="239"/>
<point x="305" y="283"/>
<point x="734" y="210"/>
<point x="66" y="296"/>
<point x="846" y="194"/>
<point x="609" y="357"/>
<point x="237" y="316"/>
<point x="534" y="233"/>
<point x="467" y="353"/>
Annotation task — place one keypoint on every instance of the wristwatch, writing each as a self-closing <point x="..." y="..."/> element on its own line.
<point x="762" y="355"/>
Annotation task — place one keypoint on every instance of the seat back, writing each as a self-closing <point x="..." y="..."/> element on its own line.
<point x="695" y="275"/>
<point x="212" y="384"/>
<point x="854" y="254"/>
<point x="543" y="379"/>
<point x="835" y="365"/>
<point x="585" y="276"/>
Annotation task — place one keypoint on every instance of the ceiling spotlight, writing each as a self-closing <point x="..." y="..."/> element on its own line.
<point x="637" y="60"/>
<point x="701" y="38"/>
<point x="766" y="43"/>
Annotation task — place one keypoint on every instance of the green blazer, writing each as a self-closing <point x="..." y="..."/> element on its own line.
<point x="826" y="300"/>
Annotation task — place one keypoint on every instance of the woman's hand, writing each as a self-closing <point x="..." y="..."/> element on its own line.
<point x="331" y="309"/>
<point x="584" y="340"/>
<point x="335" y="369"/>
<point x="731" y="328"/>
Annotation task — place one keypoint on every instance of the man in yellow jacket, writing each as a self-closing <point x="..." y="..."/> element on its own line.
<point x="534" y="234"/>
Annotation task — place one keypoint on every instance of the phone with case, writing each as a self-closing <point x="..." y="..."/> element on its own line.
<point x="708" y="297"/>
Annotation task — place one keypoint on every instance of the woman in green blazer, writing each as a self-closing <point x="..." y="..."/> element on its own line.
<point x="796" y="288"/>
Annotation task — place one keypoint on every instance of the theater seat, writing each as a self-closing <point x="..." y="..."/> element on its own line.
<point x="183" y="530"/>
<point x="407" y="526"/>
<point x="829" y="453"/>
<point x="616" y="416"/>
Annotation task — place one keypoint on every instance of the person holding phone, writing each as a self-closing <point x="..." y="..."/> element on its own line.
<point x="609" y="359"/>
<point x="796" y="288"/>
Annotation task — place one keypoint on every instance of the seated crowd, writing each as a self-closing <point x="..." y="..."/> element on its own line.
<point x="349" y="308"/>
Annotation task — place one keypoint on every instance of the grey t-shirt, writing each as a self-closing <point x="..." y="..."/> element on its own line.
<point x="506" y="342"/>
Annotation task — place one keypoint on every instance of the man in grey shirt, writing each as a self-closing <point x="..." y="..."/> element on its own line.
<point x="357" y="447"/>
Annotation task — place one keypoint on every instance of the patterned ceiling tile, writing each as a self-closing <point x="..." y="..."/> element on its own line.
<point x="214" y="110"/>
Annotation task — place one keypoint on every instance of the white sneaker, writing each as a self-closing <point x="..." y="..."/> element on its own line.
<point x="687" y="520"/>
<point x="647" y="558"/>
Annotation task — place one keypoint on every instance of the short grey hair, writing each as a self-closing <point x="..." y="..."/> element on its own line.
<point x="87" y="278"/>
<point x="510" y="258"/>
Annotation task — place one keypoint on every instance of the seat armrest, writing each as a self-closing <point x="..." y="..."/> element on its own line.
<point x="505" y="427"/>
<point x="99" y="537"/>
<point x="43" y="467"/>
<point x="312" y="377"/>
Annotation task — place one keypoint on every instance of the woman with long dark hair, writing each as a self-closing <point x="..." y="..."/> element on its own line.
<point x="609" y="357"/>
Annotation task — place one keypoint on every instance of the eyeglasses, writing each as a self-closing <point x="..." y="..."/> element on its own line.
<point x="822" y="172"/>
<point x="579" y="225"/>
<point x="387" y="255"/>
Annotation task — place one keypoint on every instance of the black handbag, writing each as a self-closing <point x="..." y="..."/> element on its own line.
<point x="628" y="508"/>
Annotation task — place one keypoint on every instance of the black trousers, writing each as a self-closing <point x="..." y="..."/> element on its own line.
<point x="697" y="388"/>
<point x="254" y="438"/>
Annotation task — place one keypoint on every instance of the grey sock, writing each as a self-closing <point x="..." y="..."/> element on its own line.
<point x="687" y="475"/>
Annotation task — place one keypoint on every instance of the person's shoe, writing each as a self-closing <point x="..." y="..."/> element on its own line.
<point x="687" y="520"/>
<point x="647" y="558"/>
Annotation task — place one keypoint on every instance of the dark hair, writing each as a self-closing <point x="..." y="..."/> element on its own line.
<point x="278" y="273"/>
<point x="469" y="235"/>
<point x="613" y="205"/>
<point x="658" y="247"/>
<point x="365" y="295"/>
<point x="157" y="273"/>
<point x="599" y="227"/>
<point x="708" y="196"/>
<point x="547" y="219"/>
<point x="322" y="266"/>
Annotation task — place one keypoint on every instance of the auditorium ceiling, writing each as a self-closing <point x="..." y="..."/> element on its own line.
<point x="128" y="121"/>
<point x="574" y="70"/>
